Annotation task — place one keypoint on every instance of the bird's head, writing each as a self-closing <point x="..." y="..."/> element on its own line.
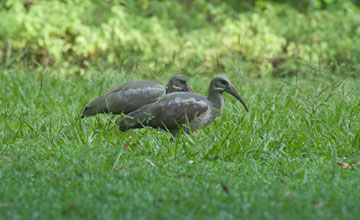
<point x="178" y="83"/>
<point x="222" y="84"/>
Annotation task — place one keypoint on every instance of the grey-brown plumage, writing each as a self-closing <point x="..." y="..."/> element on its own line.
<point x="129" y="96"/>
<point x="188" y="110"/>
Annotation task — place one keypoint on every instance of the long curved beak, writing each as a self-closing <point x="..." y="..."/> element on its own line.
<point x="234" y="93"/>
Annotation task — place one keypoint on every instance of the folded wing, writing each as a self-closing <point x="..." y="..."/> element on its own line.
<point x="125" y="98"/>
<point x="169" y="112"/>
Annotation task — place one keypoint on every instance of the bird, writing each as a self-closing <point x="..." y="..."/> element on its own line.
<point x="129" y="96"/>
<point x="182" y="111"/>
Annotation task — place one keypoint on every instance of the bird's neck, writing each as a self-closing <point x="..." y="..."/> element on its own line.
<point x="216" y="101"/>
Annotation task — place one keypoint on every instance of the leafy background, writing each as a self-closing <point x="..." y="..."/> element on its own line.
<point x="177" y="35"/>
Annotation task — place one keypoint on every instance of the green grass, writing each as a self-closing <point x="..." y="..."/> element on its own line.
<point x="276" y="162"/>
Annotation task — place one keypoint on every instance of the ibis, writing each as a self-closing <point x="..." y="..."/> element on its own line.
<point x="129" y="96"/>
<point x="187" y="111"/>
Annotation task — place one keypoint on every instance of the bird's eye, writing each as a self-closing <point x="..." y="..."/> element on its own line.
<point x="224" y="82"/>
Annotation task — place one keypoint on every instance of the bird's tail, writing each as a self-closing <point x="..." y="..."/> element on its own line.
<point x="98" y="105"/>
<point x="89" y="111"/>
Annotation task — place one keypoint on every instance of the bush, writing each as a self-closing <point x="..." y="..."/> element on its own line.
<point x="201" y="34"/>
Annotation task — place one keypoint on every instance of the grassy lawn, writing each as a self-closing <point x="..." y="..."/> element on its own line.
<point x="276" y="162"/>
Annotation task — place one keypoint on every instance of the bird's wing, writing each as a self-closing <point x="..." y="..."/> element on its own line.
<point x="126" y="97"/>
<point x="169" y="112"/>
